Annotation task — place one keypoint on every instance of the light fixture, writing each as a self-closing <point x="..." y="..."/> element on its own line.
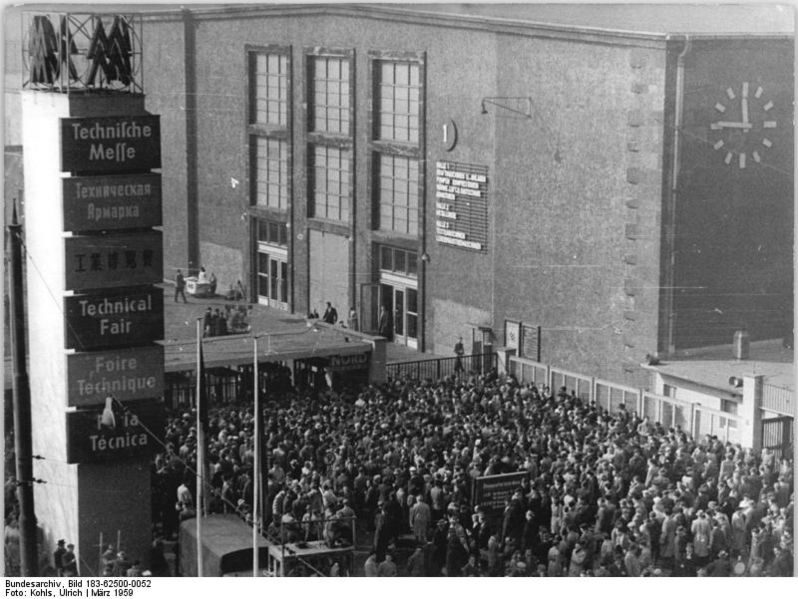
<point x="425" y="257"/>
<point x="523" y="104"/>
<point x="735" y="381"/>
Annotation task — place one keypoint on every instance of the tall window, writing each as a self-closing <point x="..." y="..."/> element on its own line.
<point x="330" y="94"/>
<point x="330" y="143"/>
<point x="269" y="118"/>
<point x="398" y="194"/>
<point x="399" y="101"/>
<point x="331" y="182"/>
<point x="397" y="142"/>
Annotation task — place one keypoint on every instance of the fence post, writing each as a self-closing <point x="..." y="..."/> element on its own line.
<point x="640" y="402"/>
<point x="549" y="378"/>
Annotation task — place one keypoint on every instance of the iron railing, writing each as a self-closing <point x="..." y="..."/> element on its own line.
<point x="437" y="368"/>
<point x="779" y="400"/>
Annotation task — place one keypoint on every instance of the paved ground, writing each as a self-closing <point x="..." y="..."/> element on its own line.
<point x="180" y="323"/>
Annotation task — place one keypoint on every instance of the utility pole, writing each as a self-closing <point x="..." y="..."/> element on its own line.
<point x="23" y="445"/>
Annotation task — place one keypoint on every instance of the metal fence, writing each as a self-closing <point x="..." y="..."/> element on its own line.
<point x="611" y="396"/>
<point x="778" y="400"/>
<point x="436" y="368"/>
<point x="690" y="417"/>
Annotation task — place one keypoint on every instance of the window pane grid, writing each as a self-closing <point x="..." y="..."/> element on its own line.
<point x="330" y="192"/>
<point x="271" y="89"/>
<point x="271" y="173"/>
<point x="399" y="107"/>
<point x="398" y="199"/>
<point x="330" y="94"/>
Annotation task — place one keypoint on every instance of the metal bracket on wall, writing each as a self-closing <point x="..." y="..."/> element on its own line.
<point x="516" y="105"/>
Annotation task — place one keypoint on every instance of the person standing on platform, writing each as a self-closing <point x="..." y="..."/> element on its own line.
<point x="330" y="314"/>
<point x="352" y="320"/>
<point x="459" y="351"/>
<point x="212" y="282"/>
<point x="180" y="286"/>
<point x="385" y="326"/>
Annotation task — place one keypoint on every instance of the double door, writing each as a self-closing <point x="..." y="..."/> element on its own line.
<point x="273" y="277"/>
<point x="401" y="302"/>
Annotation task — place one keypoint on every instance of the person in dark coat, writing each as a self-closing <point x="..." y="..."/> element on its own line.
<point x="385" y="324"/>
<point x="58" y="557"/>
<point x="180" y="286"/>
<point x="69" y="562"/>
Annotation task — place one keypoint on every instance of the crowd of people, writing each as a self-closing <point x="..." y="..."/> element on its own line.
<point x="604" y="494"/>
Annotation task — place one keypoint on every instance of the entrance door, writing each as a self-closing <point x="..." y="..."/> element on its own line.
<point x="402" y="304"/>
<point x="272" y="279"/>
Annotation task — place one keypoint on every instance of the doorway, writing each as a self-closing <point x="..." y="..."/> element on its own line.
<point x="401" y="302"/>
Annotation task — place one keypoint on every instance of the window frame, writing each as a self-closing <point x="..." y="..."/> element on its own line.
<point x="269" y="131"/>
<point x="342" y="141"/>
<point x="379" y="147"/>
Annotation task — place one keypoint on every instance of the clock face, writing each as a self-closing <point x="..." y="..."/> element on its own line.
<point x="742" y="125"/>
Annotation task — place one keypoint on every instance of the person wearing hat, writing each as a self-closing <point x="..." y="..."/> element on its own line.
<point x="58" y="557"/>
<point x="69" y="562"/>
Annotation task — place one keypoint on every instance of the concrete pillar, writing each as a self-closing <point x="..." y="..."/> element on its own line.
<point x="77" y="502"/>
<point x="378" y="359"/>
<point x="503" y="355"/>
<point x="751" y="411"/>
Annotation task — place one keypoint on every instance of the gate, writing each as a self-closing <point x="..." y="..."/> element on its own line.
<point x="777" y="435"/>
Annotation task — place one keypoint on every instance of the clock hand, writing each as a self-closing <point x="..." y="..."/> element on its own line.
<point x="731" y="125"/>
<point x="745" y="111"/>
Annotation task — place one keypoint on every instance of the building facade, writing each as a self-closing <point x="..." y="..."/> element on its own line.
<point x="599" y="194"/>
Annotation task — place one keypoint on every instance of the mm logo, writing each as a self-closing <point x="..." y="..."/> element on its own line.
<point x="49" y="52"/>
<point x="90" y="51"/>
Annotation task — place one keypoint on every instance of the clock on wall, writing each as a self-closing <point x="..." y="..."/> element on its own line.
<point x="742" y="124"/>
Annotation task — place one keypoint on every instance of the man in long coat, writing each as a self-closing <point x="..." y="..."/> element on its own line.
<point x="420" y="518"/>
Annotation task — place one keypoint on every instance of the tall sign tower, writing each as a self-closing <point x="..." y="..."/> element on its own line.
<point x="94" y="252"/>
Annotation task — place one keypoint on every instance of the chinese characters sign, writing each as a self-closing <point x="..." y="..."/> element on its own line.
<point x="114" y="260"/>
<point x="461" y="205"/>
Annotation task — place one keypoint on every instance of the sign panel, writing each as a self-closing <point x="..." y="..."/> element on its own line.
<point x="135" y="373"/>
<point x="512" y="334"/>
<point x="114" y="319"/>
<point x="348" y="363"/>
<point x="492" y="492"/>
<point x="111" y="144"/>
<point x="96" y="262"/>
<point x="114" y="433"/>
<point x="112" y="202"/>
<point x="461" y="205"/>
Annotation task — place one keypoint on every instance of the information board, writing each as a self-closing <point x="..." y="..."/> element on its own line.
<point x="111" y="144"/>
<point x="461" y="205"/>
<point x="492" y="492"/>
<point x="113" y="260"/>
<point x="121" y="319"/>
<point x="111" y="202"/>
<point x="134" y="373"/>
